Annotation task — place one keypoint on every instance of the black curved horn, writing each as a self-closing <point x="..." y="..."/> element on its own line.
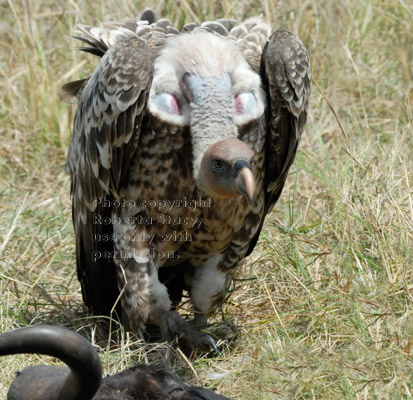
<point x="78" y="382"/>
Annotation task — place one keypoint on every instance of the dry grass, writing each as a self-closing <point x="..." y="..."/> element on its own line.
<point x="324" y="308"/>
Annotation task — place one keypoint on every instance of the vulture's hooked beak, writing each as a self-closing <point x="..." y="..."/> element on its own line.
<point x="244" y="179"/>
<point x="226" y="170"/>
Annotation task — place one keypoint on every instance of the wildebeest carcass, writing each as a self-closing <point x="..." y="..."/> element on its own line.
<point x="82" y="379"/>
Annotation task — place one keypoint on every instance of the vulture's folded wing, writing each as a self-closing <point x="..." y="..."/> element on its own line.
<point x="286" y="74"/>
<point x="108" y="120"/>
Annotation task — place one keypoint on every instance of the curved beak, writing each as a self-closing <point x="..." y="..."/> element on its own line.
<point x="244" y="179"/>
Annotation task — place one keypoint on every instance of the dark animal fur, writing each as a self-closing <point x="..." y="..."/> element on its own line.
<point x="82" y="380"/>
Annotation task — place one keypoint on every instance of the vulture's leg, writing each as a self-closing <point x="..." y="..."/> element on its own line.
<point x="208" y="289"/>
<point x="143" y="296"/>
<point x="145" y="300"/>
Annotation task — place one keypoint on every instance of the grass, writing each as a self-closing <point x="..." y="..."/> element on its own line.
<point x="323" y="307"/>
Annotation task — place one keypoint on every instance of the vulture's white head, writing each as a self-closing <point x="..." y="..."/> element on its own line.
<point x="203" y="81"/>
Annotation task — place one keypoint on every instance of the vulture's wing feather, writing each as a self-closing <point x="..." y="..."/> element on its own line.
<point x="286" y="74"/>
<point x="105" y="135"/>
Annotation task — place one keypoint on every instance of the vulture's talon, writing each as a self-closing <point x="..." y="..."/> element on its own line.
<point x="173" y="327"/>
<point x="203" y="342"/>
<point x="211" y="343"/>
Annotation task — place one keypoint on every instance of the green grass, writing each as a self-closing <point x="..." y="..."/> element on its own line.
<point x="324" y="306"/>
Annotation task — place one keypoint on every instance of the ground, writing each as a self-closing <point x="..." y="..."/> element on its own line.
<point x="323" y="307"/>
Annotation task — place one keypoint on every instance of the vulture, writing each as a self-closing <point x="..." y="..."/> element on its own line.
<point x="83" y="379"/>
<point x="182" y="142"/>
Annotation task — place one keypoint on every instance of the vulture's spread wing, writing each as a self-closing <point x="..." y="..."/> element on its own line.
<point x="105" y="135"/>
<point x="286" y="75"/>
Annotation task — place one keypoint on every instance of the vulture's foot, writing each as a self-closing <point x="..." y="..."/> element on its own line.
<point x="174" y="326"/>
<point x="224" y="332"/>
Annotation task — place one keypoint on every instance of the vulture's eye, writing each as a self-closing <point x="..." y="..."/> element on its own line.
<point x="217" y="165"/>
